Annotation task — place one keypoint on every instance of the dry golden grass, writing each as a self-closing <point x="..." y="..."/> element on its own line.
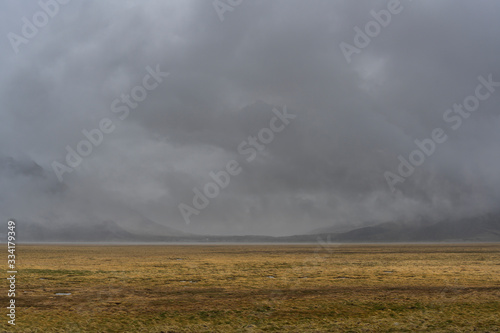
<point x="256" y="288"/>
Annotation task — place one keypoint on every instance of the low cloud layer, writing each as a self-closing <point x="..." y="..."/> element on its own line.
<point x="326" y="167"/>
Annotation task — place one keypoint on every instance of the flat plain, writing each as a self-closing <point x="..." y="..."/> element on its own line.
<point x="256" y="288"/>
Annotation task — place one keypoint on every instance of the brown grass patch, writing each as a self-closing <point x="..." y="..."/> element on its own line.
<point x="256" y="288"/>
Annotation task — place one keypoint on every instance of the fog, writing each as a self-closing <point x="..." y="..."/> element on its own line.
<point x="178" y="89"/>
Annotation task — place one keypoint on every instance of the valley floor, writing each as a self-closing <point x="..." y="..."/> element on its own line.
<point x="256" y="288"/>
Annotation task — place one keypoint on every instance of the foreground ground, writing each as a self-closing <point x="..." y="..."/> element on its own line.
<point x="255" y="288"/>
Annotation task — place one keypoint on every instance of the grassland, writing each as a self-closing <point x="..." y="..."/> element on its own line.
<point x="257" y="288"/>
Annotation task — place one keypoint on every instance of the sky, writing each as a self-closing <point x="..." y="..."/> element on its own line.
<point x="307" y="111"/>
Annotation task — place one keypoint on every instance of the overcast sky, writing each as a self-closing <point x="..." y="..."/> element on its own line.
<point x="228" y="68"/>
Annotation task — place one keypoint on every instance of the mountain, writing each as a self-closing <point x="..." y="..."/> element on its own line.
<point x="484" y="228"/>
<point x="144" y="230"/>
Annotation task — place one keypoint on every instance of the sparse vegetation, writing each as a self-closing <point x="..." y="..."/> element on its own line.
<point x="255" y="288"/>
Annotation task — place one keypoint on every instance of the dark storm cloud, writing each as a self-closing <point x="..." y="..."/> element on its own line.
<point x="326" y="168"/>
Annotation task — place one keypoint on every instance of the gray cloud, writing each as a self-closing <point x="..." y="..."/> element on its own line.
<point x="327" y="168"/>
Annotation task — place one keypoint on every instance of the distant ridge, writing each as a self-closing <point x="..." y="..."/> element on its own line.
<point x="484" y="228"/>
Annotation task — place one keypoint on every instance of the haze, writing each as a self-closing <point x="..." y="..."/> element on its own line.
<point x="327" y="167"/>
